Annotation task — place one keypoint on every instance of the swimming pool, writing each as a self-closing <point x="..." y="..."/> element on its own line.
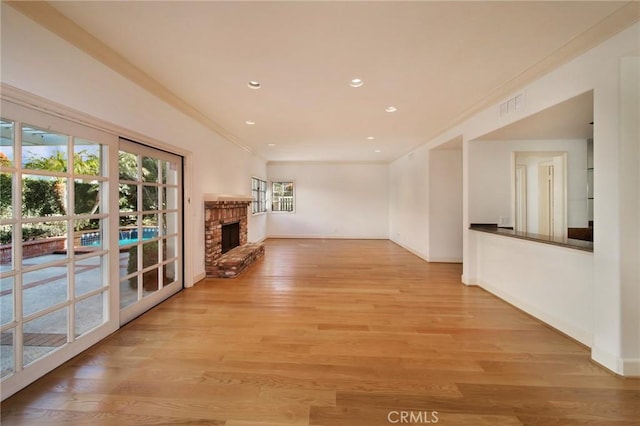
<point x="126" y="236"/>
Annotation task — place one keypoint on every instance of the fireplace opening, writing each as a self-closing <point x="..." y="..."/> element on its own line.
<point x="230" y="236"/>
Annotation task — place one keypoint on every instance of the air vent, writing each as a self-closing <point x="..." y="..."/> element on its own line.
<point x="512" y="105"/>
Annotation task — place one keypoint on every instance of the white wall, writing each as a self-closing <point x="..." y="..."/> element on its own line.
<point x="38" y="62"/>
<point x="554" y="283"/>
<point x="333" y="200"/>
<point x="614" y="278"/>
<point x="408" y="202"/>
<point x="491" y="177"/>
<point x="445" y="205"/>
<point x="630" y="213"/>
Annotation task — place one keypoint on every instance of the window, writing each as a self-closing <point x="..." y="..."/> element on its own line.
<point x="282" y="197"/>
<point x="259" y="193"/>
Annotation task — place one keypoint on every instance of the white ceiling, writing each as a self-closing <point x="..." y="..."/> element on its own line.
<point x="434" y="61"/>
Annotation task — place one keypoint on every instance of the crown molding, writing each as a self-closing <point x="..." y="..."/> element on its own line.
<point x="9" y="93"/>
<point x="50" y="18"/>
<point x="326" y="163"/>
<point x="619" y="20"/>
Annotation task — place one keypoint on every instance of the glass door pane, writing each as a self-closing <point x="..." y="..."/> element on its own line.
<point x="53" y="281"/>
<point x="150" y="231"/>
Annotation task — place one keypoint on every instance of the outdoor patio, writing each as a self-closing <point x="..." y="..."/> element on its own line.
<point x="45" y="287"/>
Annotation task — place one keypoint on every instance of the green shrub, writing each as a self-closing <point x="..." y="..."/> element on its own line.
<point x="150" y="257"/>
<point x="5" y="236"/>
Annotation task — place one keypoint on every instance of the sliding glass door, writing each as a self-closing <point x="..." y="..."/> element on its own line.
<point x="150" y="227"/>
<point x="54" y="289"/>
<point x="90" y="237"/>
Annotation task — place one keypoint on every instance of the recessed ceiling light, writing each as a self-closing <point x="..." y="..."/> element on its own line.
<point x="356" y="82"/>
<point x="391" y="109"/>
<point x="272" y="144"/>
<point x="370" y="138"/>
<point x="378" y="150"/>
<point x="253" y="84"/>
<point x="250" y="123"/>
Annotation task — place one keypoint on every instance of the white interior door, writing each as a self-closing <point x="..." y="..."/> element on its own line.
<point x="521" y="198"/>
<point x="546" y="199"/>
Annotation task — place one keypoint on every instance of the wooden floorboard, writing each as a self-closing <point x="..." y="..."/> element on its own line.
<point x="332" y="332"/>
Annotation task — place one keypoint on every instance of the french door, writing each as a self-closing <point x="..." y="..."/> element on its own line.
<point x="150" y="227"/>
<point x="90" y="237"/>
<point x="55" y="288"/>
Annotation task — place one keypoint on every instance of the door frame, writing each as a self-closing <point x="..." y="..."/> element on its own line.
<point x="134" y="310"/>
<point x="16" y="101"/>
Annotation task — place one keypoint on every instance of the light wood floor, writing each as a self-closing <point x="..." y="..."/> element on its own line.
<point x="332" y="332"/>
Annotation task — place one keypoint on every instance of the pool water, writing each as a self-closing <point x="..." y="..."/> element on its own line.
<point x="126" y="241"/>
<point x="94" y="239"/>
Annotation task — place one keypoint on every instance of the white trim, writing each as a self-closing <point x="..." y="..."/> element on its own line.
<point x="199" y="277"/>
<point x="627" y="367"/>
<point x="582" y="335"/>
<point x="410" y="250"/>
<point x="444" y="259"/>
<point x="469" y="281"/>
<point x="270" y="197"/>
<point x="606" y="359"/>
<point x="266" y="198"/>
<point x="427" y="258"/>
<point x="325" y="237"/>
<point x="339" y="163"/>
<point x="188" y="236"/>
<point x="630" y="367"/>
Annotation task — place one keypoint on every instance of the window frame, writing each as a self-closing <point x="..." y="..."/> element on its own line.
<point x="259" y="196"/>
<point x="293" y="196"/>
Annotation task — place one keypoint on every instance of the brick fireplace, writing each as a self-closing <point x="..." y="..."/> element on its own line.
<point x="227" y="213"/>
<point x="217" y="214"/>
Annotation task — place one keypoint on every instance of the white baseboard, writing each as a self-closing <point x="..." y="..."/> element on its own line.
<point x="199" y="277"/>
<point x="630" y="367"/>
<point x="445" y="259"/>
<point x="469" y="280"/>
<point x="427" y="258"/>
<point x="329" y="237"/>
<point x="409" y="249"/>
<point x="606" y="359"/>
<point x="581" y="335"/>
<point x="627" y="367"/>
